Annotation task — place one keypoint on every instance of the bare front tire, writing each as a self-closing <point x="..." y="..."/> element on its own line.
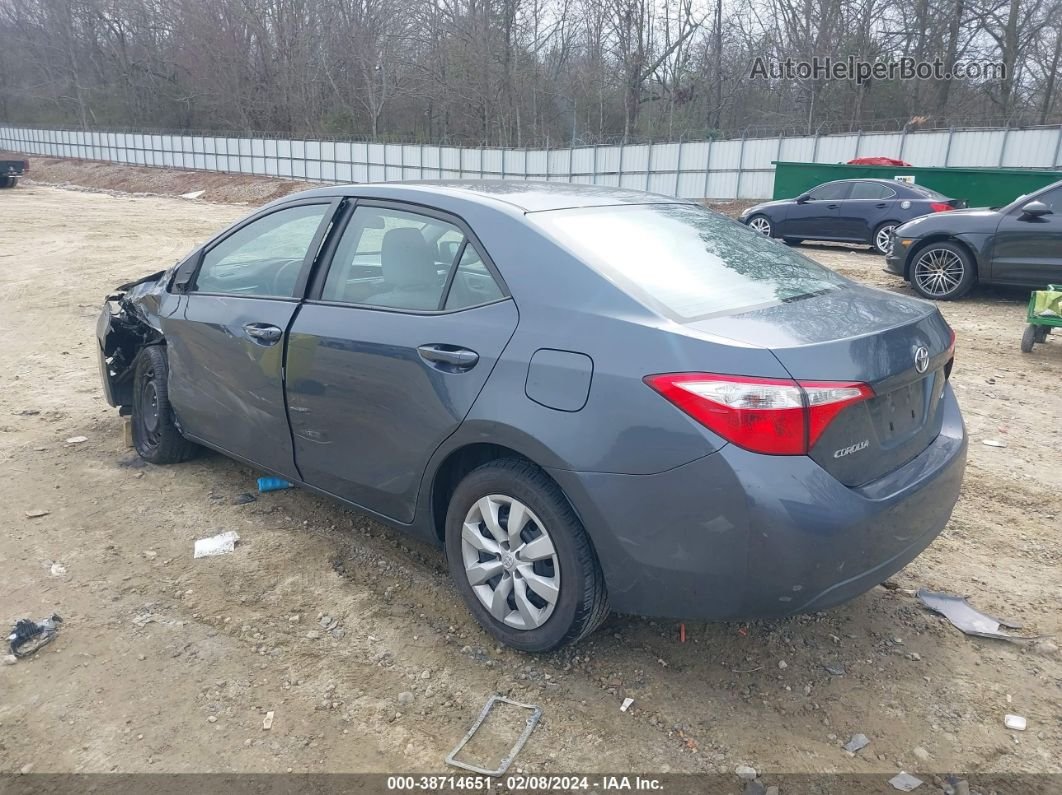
<point x="155" y="434"/>
<point x="521" y="559"/>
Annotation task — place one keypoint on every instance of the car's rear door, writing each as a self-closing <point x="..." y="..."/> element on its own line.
<point x="1028" y="249"/>
<point x="867" y="205"/>
<point x="226" y="340"/>
<point x="392" y="347"/>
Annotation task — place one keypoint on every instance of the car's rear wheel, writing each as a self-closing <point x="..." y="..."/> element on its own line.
<point x="761" y="224"/>
<point x="8" y="182"/>
<point x="882" y="240"/>
<point x="521" y="559"/>
<point x="943" y="272"/>
<point x="155" y="434"/>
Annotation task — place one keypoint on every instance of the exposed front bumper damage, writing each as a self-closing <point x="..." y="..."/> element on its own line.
<point x="127" y="324"/>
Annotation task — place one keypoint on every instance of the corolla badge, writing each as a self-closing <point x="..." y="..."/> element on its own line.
<point x="855" y="448"/>
<point x="921" y="359"/>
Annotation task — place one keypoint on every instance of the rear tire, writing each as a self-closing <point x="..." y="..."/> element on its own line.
<point x="155" y="434"/>
<point x="881" y="242"/>
<point x="562" y="564"/>
<point x="1029" y="338"/>
<point x="943" y="271"/>
<point x="8" y="182"/>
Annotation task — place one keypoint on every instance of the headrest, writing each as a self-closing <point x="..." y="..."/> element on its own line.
<point x="407" y="259"/>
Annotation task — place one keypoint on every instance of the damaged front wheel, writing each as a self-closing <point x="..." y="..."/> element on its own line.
<point x="155" y="434"/>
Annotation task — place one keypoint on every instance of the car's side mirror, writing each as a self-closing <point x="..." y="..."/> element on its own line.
<point x="803" y="198"/>
<point x="1035" y="209"/>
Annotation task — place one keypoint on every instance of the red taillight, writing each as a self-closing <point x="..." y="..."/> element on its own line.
<point x="940" y="207"/>
<point x="776" y="416"/>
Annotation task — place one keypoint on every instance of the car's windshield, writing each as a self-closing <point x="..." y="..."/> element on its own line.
<point x="684" y="261"/>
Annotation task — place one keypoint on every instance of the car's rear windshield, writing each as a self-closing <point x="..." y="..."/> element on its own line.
<point x="928" y="193"/>
<point x="685" y="262"/>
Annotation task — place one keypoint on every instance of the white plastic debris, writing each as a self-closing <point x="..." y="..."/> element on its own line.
<point x="905" y="782"/>
<point x="994" y="443"/>
<point x="221" y="544"/>
<point x="626" y="705"/>
<point x="77" y="439"/>
<point x="36" y="513"/>
<point x="58" y="569"/>
<point x="1016" y="722"/>
<point x="268" y="722"/>
<point x="195" y="194"/>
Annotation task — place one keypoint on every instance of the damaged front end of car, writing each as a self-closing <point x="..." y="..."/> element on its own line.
<point x="128" y="323"/>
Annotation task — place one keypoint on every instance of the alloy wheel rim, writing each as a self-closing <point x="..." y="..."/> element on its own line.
<point x="510" y="561"/>
<point x="939" y="271"/>
<point x="761" y="225"/>
<point x="884" y="239"/>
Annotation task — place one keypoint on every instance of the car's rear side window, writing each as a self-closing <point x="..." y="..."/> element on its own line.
<point x="927" y="193"/>
<point x="871" y="190"/>
<point x="684" y="261"/>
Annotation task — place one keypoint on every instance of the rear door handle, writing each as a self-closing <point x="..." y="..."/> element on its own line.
<point x="263" y="333"/>
<point x="832" y="206"/>
<point x="448" y="358"/>
<point x="881" y="205"/>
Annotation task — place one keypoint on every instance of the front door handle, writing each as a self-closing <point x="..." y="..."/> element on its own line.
<point x="881" y="205"/>
<point x="263" y="333"/>
<point x="832" y="206"/>
<point x="448" y="358"/>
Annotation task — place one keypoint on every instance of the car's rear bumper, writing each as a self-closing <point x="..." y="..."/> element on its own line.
<point x="741" y="535"/>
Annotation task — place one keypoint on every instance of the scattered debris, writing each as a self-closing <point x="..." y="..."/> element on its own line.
<point x="835" y="669"/>
<point x="150" y="554"/>
<point x="243" y="499"/>
<point x="28" y="633"/>
<point x="626" y="705"/>
<point x="746" y="773"/>
<point x="682" y="633"/>
<point x="274" y="484"/>
<point x="405" y="698"/>
<point x="143" y="620"/>
<point x="993" y="443"/>
<point x="857" y="743"/>
<point x="782" y="665"/>
<point x="1016" y="722"/>
<point x="36" y="513"/>
<point x="905" y="782"/>
<point x="10" y="659"/>
<point x="58" y="569"/>
<point x="194" y="194"/>
<point x="77" y="439"/>
<point x="221" y="544"/>
<point x="959" y="612"/>
<point x="529" y="726"/>
<point x="267" y="722"/>
<point x="921" y="753"/>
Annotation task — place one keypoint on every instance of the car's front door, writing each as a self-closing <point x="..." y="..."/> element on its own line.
<point x="1028" y="249"/>
<point x="816" y="218"/>
<point x="392" y="347"/>
<point x="226" y="340"/>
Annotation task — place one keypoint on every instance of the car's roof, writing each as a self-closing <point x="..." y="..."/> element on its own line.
<point x="528" y="196"/>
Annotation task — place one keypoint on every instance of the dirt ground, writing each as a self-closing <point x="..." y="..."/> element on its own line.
<point x="353" y="637"/>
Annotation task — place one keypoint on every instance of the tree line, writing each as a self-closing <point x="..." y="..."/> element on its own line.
<point x="518" y="72"/>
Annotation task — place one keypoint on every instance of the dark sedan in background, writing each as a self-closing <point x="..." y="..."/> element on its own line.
<point x="847" y="211"/>
<point x="943" y="257"/>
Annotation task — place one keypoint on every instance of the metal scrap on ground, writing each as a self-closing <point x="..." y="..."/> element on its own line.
<point x="28" y="636"/>
<point x="973" y="622"/>
<point x="529" y="726"/>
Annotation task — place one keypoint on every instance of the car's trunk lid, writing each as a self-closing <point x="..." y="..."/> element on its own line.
<point x="859" y="335"/>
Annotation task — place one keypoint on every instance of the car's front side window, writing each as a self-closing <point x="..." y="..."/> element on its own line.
<point x="264" y="257"/>
<point x="831" y="191"/>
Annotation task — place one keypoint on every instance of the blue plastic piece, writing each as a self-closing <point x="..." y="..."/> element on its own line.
<point x="274" y="484"/>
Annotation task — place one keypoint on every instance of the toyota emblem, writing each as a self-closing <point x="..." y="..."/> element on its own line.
<point x="921" y="359"/>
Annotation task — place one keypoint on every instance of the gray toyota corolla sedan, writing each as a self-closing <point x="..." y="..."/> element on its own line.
<point x="592" y="398"/>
